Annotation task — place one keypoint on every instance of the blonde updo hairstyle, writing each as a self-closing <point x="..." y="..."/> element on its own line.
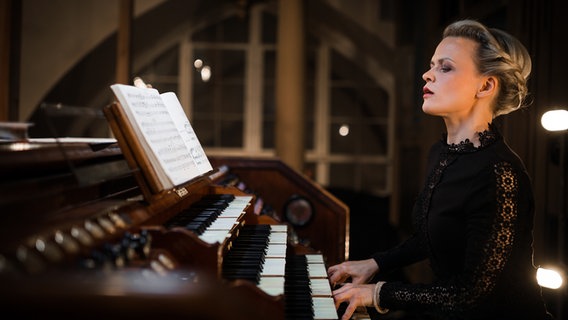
<point x="500" y="55"/>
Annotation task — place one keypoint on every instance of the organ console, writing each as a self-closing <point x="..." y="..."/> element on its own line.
<point x="81" y="237"/>
<point x="284" y="190"/>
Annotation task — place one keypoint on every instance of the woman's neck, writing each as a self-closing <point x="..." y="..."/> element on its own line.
<point x="462" y="131"/>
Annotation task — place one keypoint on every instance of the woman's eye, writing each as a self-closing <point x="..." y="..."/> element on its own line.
<point x="445" y="68"/>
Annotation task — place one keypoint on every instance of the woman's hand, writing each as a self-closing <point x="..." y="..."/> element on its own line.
<point x="360" y="271"/>
<point x="356" y="295"/>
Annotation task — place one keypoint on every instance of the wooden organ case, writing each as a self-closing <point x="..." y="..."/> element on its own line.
<point x="83" y="235"/>
<point x="279" y="187"/>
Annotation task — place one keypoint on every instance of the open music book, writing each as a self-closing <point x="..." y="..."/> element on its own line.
<point x="161" y="129"/>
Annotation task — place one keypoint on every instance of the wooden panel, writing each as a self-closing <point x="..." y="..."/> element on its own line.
<point x="276" y="183"/>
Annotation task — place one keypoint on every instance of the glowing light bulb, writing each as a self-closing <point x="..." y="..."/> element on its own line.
<point x="549" y="278"/>
<point x="555" y="120"/>
<point x="344" y="130"/>
<point x="206" y="73"/>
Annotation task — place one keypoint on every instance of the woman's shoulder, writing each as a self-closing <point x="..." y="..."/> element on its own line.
<point x="503" y="153"/>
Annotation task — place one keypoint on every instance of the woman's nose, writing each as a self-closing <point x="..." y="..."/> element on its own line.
<point x="427" y="76"/>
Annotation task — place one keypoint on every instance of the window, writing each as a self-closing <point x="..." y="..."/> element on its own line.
<point x="232" y="101"/>
<point x="218" y="97"/>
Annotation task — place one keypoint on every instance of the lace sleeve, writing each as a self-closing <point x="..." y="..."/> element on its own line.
<point x="490" y="236"/>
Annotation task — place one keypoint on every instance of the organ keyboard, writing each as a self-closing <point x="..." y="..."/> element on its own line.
<point x="213" y="217"/>
<point x="79" y="238"/>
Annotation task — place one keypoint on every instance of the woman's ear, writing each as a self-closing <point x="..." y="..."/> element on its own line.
<point x="488" y="87"/>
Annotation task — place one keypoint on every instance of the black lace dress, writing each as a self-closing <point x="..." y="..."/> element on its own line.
<point x="474" y="221"/>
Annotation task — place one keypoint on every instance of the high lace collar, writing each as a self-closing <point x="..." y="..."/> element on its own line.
<point x="486" y="138"/>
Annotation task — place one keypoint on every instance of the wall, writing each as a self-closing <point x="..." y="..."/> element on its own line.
<point x="55" y="35"/>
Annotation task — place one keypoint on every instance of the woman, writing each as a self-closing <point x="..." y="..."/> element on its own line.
<point x="474" y="217"/>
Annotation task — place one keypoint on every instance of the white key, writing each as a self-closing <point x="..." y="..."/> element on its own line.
<point x="272" y="285"/>
<point x="322" y="300"/>
<point x="324" y="308"/>
<point x="219" y="229"/>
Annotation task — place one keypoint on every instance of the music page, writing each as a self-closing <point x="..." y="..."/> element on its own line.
<point x="157" y="130"/>
<point x="186" y="131"/>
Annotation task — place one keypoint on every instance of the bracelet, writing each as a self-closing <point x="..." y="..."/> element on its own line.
<point x="376" y="298"/>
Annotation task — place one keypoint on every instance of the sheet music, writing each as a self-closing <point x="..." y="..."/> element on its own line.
<point x="156" y="126"/>
<point x="186" y="130"/>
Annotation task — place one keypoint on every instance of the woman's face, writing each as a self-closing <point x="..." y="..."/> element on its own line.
<point x="452" y="81"/>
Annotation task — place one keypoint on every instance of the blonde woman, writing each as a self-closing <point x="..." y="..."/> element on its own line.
<point x="474" y="217"/>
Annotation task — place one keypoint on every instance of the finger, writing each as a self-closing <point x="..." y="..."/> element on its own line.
<point x="338" y="285"/>
<point x="343" y="287"/>
<point x="331" y="271"/>
<point x="334" y="278"/>
<point x="349" y="311"/>
<point x="338" y="278"/>
<point x="337" y="301"/>
<point x="339" y="296"/>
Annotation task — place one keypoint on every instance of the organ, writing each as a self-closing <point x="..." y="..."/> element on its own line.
<point x="83" y="236"/>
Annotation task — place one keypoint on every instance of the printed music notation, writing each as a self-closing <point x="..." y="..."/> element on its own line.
<point x="188" y="134"/>
<point x="164" y="133"/>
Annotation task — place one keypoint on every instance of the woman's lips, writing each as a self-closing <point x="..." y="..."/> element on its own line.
<point x="427" y="92"/>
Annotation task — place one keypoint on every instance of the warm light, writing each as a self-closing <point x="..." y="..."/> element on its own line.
<point x="555" y="120"/>
<point x="549" y="278"/>
<point x="198" y="63"/>
<point x="138" y="82"/>
<point x="344" y="130"/>
<point x="206" y="73"/>
<point x="20" y="146"/>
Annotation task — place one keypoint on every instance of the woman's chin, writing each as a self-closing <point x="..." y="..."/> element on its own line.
<point x="427" y="109"/>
